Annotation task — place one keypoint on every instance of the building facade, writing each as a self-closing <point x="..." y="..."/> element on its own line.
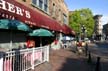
<point x="41" y="6"/>
<point x="105" y="30"/>
<point x="98" y="27"/>
<point x="55" y="9"/>
<point x="48" y="14"/>
<point x="59" y="11"/>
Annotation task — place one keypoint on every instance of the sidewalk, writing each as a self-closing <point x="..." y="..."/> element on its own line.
<point x="65" y="60"/>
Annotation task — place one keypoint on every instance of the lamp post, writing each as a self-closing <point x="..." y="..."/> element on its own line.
<point x="83" y="29"/>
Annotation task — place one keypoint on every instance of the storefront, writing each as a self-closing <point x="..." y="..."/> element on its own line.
<point x="11" y="39"/>
<point x="12" y="10"/>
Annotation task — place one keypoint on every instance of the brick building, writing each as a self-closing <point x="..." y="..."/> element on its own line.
<point x="98" y="27"/>
<point x="48" y="14"/>
<point x="59" y="11"/>
<point x="56" y="9"/>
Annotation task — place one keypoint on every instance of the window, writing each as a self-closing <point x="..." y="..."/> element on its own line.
<point x="59" y="14"/>
<point x="46" y="5"/>
<point x="53" y="9"/>
<point x="46" y="8"/>
<point x="41" y="4"/>
<point x="64" y="19"/>
<point x="34" y="2"/>
<point x="46" y="2"/>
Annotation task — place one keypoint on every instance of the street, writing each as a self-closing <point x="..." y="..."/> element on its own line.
<point x="100" y="49"/>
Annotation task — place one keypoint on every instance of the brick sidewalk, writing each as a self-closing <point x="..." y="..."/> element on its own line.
<point x="65" y="60"/>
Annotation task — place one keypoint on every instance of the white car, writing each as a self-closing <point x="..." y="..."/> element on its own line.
<point x="87" y="40"/>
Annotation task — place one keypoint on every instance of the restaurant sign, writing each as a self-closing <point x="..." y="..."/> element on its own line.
<point x="14" y="9"/>
<point x="10" y="9"/>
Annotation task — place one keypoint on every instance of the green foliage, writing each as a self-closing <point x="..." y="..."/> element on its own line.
<point x="82" y="17"/>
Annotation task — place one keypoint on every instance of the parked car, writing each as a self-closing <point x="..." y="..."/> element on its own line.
<point x="87" y="40"/>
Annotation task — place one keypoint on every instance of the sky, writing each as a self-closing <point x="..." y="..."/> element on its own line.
<point x="96" y="6"/>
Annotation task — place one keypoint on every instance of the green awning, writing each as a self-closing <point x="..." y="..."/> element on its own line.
<point x="41" y="33"/>
<point x="13" y="24"/>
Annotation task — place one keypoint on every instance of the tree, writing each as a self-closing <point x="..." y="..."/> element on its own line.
<point x="82" y="17"/>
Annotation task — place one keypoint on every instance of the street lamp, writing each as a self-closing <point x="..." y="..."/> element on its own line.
<point x="83" y="29"/>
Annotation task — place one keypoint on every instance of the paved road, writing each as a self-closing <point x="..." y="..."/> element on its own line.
<point x="100" y="49"/>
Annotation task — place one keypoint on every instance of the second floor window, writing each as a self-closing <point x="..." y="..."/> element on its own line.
<point x="34" y="2"/>
<point x="65" y="19"/>
<point x="45" y="5"/>
<point x="42" y="4"/>
<point x="54" y="8"/>
<point x="59" y="14"/>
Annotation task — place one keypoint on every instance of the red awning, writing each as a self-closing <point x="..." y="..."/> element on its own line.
<point x="58" y="27"/>
<point x="68" y="30"/>
<point x="49" y="23"/>
<point x="28" y="16"/>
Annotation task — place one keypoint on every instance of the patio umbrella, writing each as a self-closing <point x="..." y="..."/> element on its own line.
<point x="4" y="24"/>
<point x="41" y="33"/>
<point x="13" y="25"/>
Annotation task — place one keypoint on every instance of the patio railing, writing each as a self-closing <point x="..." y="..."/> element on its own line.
<point x="25" y="59"/>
